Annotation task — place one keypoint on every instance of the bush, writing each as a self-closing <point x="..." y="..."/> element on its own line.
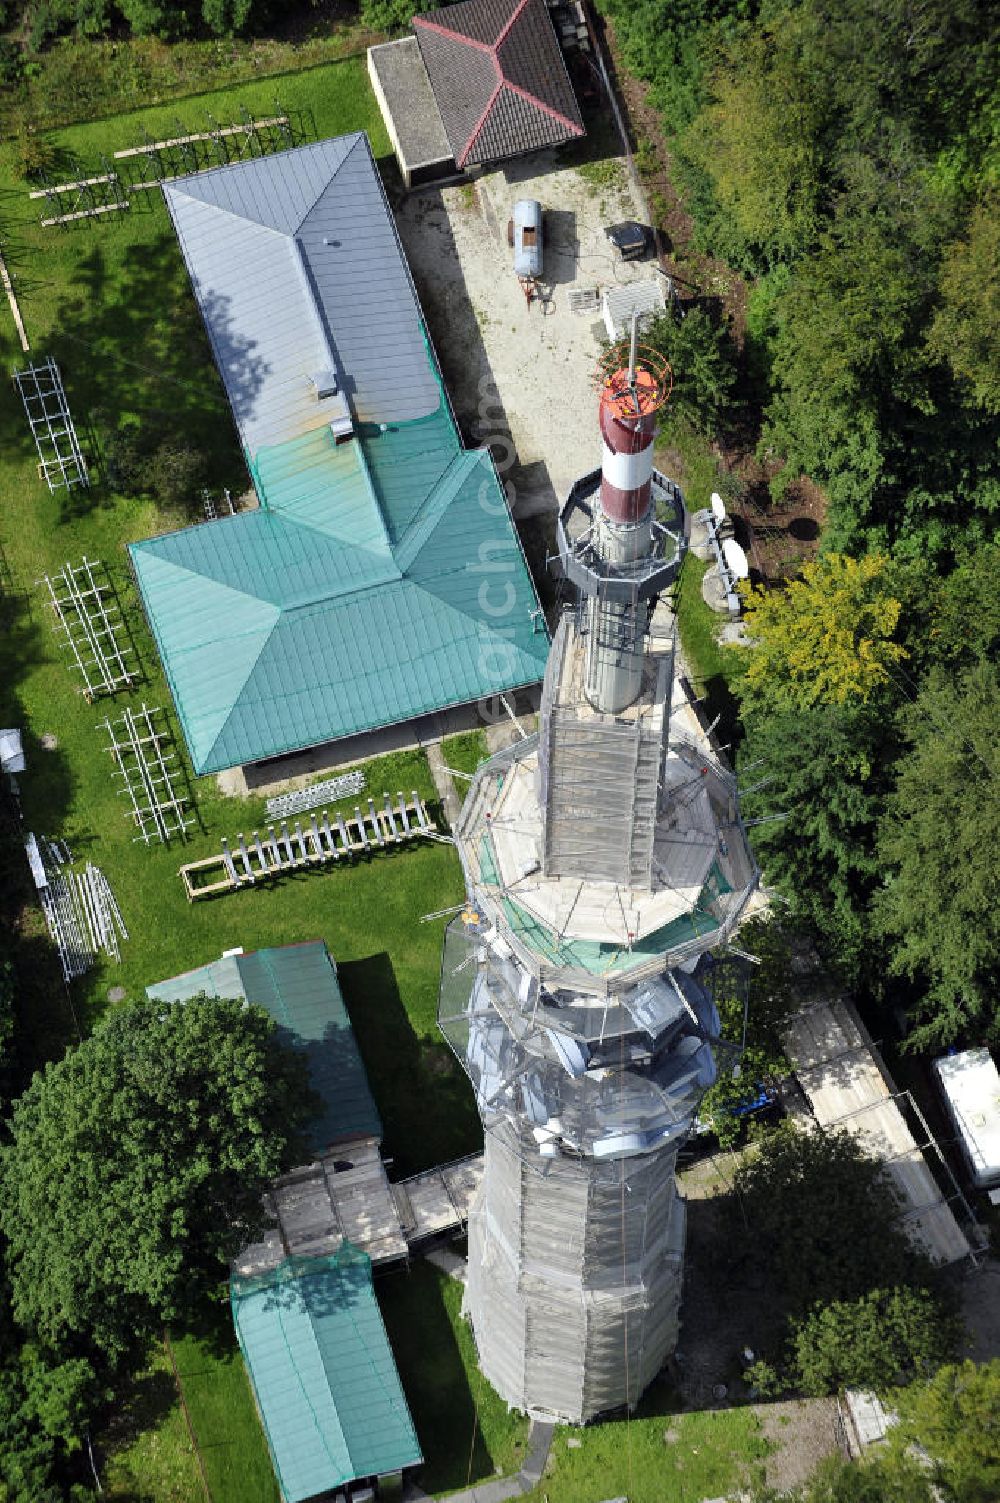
<point x="884" y="1339"/>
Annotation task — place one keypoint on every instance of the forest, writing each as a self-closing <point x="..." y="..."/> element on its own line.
<point x="844" y="160"/>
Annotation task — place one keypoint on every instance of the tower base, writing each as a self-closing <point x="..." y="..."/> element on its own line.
<point x="574" y="1278"/>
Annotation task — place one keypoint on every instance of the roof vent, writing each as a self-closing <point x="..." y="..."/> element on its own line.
<point x="325" y="383"/>
<point x="341" y="423"/>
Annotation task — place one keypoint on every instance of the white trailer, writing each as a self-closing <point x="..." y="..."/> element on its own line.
<point x="970" y="1086"/>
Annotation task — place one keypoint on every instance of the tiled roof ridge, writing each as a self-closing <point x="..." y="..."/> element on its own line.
<point x="492" y="50"/>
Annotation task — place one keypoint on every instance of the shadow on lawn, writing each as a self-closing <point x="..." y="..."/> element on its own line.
<point x="425" y="1102"/>
<point x="434" y="1379"/>
<point x="136" y="360"/>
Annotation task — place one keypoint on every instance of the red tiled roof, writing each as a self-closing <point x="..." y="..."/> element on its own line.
<point x="498" y="78"/>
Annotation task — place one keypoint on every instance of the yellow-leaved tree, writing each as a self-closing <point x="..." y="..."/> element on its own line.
<point x="828" y="638"/>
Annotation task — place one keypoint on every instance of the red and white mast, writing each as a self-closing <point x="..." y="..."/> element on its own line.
<point x="631" y="396"/>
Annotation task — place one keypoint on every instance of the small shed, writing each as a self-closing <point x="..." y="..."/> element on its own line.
<point x="499" y="79"/>
<point x="618" y="303"/>
<point x="400" y="83"/>
<point x="298" y="986"/>
<point x="323" y="1375"/>
<point x="970" y="1085"/>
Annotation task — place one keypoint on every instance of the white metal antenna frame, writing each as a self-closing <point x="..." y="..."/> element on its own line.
<point x="87" y="615"/>
<point x="142" y="762"/>
<point x="60" y="459"/>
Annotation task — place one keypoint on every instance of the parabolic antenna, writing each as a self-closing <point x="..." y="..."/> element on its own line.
<point x="718" y="507"/>
<point x="736" y="559"/>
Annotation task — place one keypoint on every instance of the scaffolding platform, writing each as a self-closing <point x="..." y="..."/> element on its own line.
<point x="60" y="460"/>
<point x="148" y="767"/>
<point x="438" y="1201"/>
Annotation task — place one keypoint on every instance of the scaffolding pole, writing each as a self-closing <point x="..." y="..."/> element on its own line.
<point x="87" y="615"/>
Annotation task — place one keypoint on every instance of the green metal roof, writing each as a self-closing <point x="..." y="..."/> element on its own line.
<point x="298" y="986"/>
<point x="380" y="580"/>
<point x="323" y="1373"/>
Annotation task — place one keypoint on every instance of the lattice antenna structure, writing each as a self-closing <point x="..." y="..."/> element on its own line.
<point x="149" y="770"/>
<point x="60" y="459"/>
<point x="87" y="616"/>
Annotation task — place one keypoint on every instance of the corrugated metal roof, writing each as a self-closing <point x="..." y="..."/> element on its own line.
<point x="298" y="986"/>
<point x="499" y="78"/>
<point x="297" y="268"/>
<point x="382" y="579"/>
<point x="323" y="1373"/>
<point x="276" y="632"/>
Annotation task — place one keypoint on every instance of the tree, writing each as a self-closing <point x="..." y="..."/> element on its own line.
<point x="703" y="362"/>
<point x="955" y="1420"/>
<point x="823" y="1221"/>
<point x="885" y="1338"/>
<point x="938" y="908"/>
<point x="761" y="996"/>
<point x="137" y="1163"/>
<point x="828" y="639"/>
<point x="828" y="770"/>
<point x="760" y="140"/>
<point x="965" y="332"/>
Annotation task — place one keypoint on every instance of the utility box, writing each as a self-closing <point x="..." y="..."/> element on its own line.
<point x="970" y="1086"/>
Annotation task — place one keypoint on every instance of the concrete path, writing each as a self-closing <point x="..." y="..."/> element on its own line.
<point x="499" y="1489"/>
<point x="443" y="783"/>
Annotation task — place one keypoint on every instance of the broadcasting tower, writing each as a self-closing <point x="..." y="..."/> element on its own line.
<point x="604" y="858"/>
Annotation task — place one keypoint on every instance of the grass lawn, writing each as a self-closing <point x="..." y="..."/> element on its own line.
<point x="463" y="753"/>
<point x="224" y="1417"/>
<point x="149" y="1439"/>
<point x="656" y="1456"/>
<point x="465" y="1431"/>
<point x="714" y="669"/>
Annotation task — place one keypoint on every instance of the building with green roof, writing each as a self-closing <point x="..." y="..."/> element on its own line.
<point x="323" y="1374"/>
<point x="298" y="986"/>
<point x="382" y="577"/>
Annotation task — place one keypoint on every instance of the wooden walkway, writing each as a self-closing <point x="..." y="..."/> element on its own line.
<point x="346" y="1197"/>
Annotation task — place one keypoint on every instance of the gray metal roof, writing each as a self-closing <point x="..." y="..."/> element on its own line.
<point x="297" y="268"/>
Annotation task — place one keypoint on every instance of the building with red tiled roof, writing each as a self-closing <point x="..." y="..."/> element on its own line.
<point x="498" y="77"/>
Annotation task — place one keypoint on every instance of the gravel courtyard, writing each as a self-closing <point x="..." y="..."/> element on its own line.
<point x="513" y="368"/>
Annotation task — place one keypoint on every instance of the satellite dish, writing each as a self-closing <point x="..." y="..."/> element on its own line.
<point x="736" y="559"/>
<point x="718" y="507"/>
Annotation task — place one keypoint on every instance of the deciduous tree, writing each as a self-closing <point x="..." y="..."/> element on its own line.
<point x="137" y="1163"/>
<point x="828" y="639"/>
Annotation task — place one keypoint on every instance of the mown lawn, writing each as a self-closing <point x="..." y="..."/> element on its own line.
<point x="224" y="1418"/>
<point x="714" y="669"/>
<point x="465" y="1431"/>
<point x="148" y="1439"/>
<point x="657" y="1456"/>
